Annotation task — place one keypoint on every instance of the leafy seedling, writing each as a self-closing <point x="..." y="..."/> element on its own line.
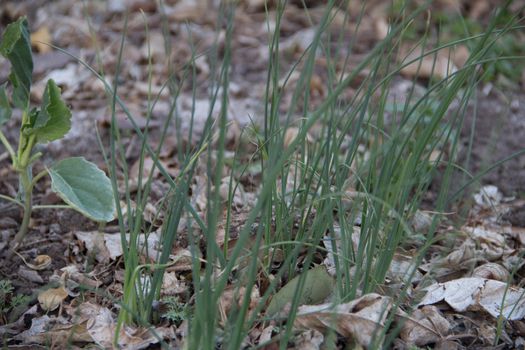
<point x="81" y="184"/>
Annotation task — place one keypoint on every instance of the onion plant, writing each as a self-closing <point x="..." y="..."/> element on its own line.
<point x="312" y="192"/>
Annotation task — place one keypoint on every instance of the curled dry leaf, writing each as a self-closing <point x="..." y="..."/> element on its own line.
<point x="423" y="326"/>
<point x="492" y="271"/>
<point x="41" y="262"/>
<point x="359" y="319"/>
<point x="475" y="293"/>
<point x="491" y="242"/>
<point x="465" y="253"/>
<point x="50" y="299"/>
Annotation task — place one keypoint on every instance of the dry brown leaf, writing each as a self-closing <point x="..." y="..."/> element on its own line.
<point x="233" y="297"/>
<point x="492" y="271"/>
<point x="40" y="39"/>
<point x="41" y="262"/>
<point x="81" y="278"/>
<point x="51" y="299"/>
<point x="491" y="242"/>
<point x="188" y="10"/>
<point x="108" y="246"/>
<point x="381" y="26"/>
<point x="289" y="136"/>
<point x="475" y="293"/>
<point x="423" y="326"/>
<point x="309" y="340"/>
<point x="171" y="285"/>
<point x="402" y="268"/>
<point x="317" y="87"/>
<point x="439" y="65"/>
<point x="95" y="245"/>
<point x="148" y="166"/>
<point x="359" y="319"/>
<point x="61" y="332"/>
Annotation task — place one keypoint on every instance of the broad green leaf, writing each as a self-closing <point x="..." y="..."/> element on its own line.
<point x="5" y="107"/>
<point x="318" y="285"/>
<point x="85" y="187"/>
<point x="16" y="47"/>
<point x="53" y="120"/>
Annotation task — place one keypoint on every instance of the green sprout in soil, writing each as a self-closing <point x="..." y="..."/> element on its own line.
<point x="176" y="310"/>
<point x="81" y="184"/>
<point x="9" y="301"/>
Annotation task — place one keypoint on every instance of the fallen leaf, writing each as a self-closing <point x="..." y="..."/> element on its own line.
<point x="438" y="65"/>
<point x="171" y="285"/>
<point x="101" y="327"/>
<point x="232" y="299"/>
<point x="492" y="271"/>
<point x="309" y="340"/>
<point x="488" y="196"/>
<point x="475" y="293"/>
<point x="50" y="299"/>
<point x="41" y="262"/>
<point x="359" y="319"/>
<point x="94" y="243"/>
<point x="423" y="326"/>
<point x="111" y="247"/>
<point x="148" y="168"/>
<point x="402" y="268"/>
<point x="40" y="39"/>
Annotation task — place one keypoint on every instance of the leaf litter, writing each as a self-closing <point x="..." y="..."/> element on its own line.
<point x="473" y="283"/>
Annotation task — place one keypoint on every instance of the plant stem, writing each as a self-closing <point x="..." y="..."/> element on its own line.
<point x="38" y="177"/>
<point x="27" y="185"/>
<point x="11" y="199"/>
<point x="52" y="206"/>
<point x="8" y="147"/>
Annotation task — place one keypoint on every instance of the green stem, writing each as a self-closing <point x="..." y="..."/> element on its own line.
<point x="11" y="199"/>
<point x="52" y="206"/>
<point x="8" y="147"/>
<point x="27" y="185"/>
<point x="38" y="177"/>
